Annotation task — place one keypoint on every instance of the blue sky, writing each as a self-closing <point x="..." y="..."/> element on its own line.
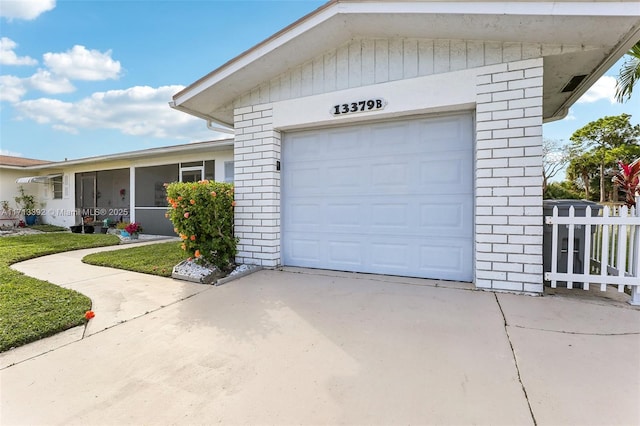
<point x="94" y="77"/>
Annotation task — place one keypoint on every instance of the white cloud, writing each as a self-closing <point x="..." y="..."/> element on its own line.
<point x="78" y="63"/>
<point x="10" y="153"/>
<point x="139" y="111"/>
<point x="9" y="57"/>
<point x="25" y="9"/>
<point x="68" y="129"/>
<point x="604" y="88"/>
<point x="11" y="88"/>
<point x="46" y="82"/>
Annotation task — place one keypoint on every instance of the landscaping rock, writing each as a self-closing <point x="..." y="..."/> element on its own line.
<point x="189" y="270"/>
<point x="239" y="272"/>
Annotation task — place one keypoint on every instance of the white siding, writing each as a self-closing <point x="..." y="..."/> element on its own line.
<point x="363" y="62"/>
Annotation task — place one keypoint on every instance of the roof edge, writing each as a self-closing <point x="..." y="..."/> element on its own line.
<point x="624" y="45"/>
<point x="195" y="146"/>
<point x="500" y="7"/>
<point x="252" y="49"/>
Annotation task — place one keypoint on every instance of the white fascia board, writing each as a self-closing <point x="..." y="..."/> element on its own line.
<point x="626" y="9"/>
<point x="500" y="8"/>
<point x="256" y="53"/>
<point x="152" y="152"/>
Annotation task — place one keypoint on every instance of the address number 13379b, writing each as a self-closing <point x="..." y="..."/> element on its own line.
<point x="359" y="106"/>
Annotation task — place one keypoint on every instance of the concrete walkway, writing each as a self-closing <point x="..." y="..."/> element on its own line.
<point x="117" y="295"/>
<point x="318" y="347"/>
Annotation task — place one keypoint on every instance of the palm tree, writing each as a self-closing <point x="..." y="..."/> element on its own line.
<point x="629" y="74"/>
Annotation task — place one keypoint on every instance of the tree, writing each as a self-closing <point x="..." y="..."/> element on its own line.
<point x="581" y="170"/>
<point x="562" y="190"/>
<point x="629" y="74"/>
<point x="555" y="156"/>
<point x="600" y="138"/>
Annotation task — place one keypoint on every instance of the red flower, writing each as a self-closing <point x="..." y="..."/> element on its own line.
<point x="186" y="215"/>
<point x="89" y="314"/>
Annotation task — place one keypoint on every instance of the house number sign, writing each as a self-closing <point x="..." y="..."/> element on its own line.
<point x="359" y="106"/>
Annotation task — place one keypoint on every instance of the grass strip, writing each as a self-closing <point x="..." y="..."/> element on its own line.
<point x="31" y="309"/>
<point x="48" y="228"/>
<point x="156" y="259"/>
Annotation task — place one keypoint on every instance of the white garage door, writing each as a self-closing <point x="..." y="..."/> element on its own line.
<point x="391" y="198"/>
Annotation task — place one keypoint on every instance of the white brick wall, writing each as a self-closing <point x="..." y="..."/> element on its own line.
<point x="508" y="198"/>
<point x="509" y="177"/>
<point x="257" y="186"/>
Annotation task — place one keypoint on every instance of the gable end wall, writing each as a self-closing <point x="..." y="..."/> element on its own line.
<point x="508" y="198"/>
<point x="363" y="62"/>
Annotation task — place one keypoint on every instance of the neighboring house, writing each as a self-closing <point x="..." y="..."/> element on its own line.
<point x="405" y="137"/>
<point x="127" y="186"/>
<point x="12" y="168"/>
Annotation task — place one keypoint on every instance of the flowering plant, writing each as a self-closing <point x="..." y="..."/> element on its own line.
<point x="202" y="214"/>
<point x="628" y="180"/>
<point x="133" y="228"/>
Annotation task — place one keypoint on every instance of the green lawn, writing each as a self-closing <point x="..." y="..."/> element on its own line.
<point x="48" y="228"/>
<point x="156" y="259"/>
<point x="31" y="309"/>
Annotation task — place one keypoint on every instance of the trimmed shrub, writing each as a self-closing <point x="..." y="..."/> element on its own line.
<point x="202" y="214"/>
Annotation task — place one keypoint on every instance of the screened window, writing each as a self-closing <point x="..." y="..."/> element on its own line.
<point x="56" y="183"/>
<point x="150" y="190"/>
<point x="228" y="171"/>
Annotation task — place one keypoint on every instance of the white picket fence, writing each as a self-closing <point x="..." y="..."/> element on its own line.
<point x="606" y="249"/>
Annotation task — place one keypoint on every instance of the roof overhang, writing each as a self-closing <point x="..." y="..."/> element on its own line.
<point x="38" y="179"/>
<point x="607" y="29"/>
<point x="189" y="148"/>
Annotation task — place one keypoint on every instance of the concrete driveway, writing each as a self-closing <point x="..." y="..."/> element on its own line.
<point x="317" y="347"/>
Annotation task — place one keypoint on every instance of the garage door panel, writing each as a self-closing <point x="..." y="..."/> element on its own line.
<point x="391" y="198"/>
<point x="393" y="176"/>
<point x="448" y="216"/>
<point x="347" y="142"/>
<point x="389" y="138"/>
<point x="452" y="173"/>
<point x="392" y="216"/>
<point x="344" y="215"/>
<point x="342" y="177"/>
<point x="305" y="215"/>
<point x="444" y="260"/>
<point x="387" y="255"/>
<point x="304" y="250"/>
<point x="305" y="147"/>
<point x="307" y="179"/>
<point x="345" y="254"/>
<point x="446" y="134"/>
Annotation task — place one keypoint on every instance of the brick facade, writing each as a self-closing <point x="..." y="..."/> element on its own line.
<point x="257" y="186"/>
<point x="509" y="177"/>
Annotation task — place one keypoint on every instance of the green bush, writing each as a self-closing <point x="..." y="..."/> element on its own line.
<point x="562" y="191"/>
<point x="202" y="214"/>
